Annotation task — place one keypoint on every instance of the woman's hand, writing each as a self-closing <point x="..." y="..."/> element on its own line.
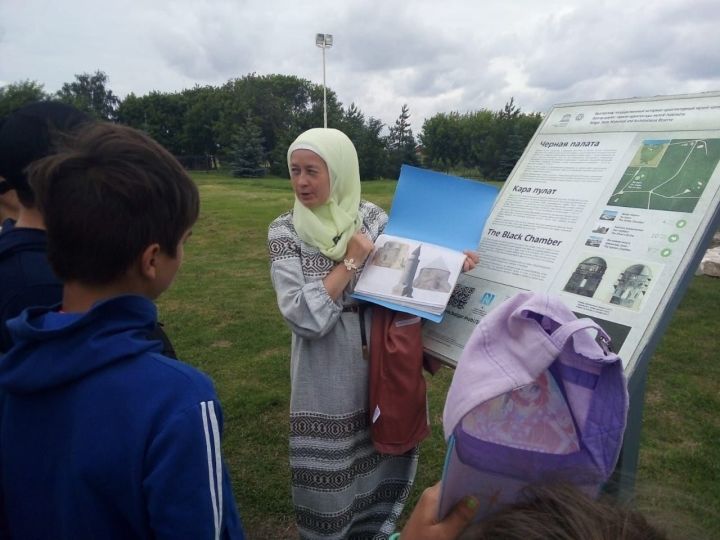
<point x="471" y="260"/>
<point x="358" y="248"/>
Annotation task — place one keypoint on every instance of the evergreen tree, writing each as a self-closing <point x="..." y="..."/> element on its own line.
<point x="510" y="110"/>
<point x="247" y="153"/>
<point x="365" y="136"/>
<point x="509" y="155"/>
<point x="509" y="144"/>
<point x="371" y="150"/>
<point x="401" y="146"/>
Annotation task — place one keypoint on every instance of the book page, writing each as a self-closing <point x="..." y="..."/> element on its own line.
<point x="411" y="273"/>
<point x="434" y="217"/>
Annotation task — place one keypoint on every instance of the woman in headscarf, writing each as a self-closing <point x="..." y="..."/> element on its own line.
<point x="342" y="487"/>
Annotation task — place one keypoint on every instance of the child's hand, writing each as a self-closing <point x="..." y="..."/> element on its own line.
<point x="471" y="260"/>
<point x="423" y="523"/>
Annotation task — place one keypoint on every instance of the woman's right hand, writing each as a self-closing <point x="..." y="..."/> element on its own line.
<point x="358" y="248"/>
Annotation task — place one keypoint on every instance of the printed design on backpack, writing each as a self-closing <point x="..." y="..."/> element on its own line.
<point x="534" y="417"/>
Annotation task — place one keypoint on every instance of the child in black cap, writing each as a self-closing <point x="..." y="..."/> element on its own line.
<point x="26" y="279"/>
<point x="25" y="276"/>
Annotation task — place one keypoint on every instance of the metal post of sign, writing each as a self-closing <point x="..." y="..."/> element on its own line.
<point x="622" y="484"/>
<point x="324" y="41"/>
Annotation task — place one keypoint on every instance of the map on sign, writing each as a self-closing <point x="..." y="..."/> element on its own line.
<point x="667" y="175"/>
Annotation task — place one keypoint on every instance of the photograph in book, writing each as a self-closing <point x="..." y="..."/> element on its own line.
<point x="411" y="273"/>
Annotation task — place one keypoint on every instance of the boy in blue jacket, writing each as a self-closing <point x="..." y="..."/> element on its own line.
<point x="101" y="436"/>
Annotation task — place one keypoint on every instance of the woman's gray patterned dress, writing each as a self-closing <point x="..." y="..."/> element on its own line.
<point x="342" y="487"/>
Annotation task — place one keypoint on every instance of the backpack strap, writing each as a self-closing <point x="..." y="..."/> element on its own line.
<point x="362" y="306"/>
<point x="595" y="348"/>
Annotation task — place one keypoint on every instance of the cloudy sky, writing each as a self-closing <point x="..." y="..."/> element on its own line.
<point x="436" y="56"/>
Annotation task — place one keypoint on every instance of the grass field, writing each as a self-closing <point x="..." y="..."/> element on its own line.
<point x="222" y="317"/>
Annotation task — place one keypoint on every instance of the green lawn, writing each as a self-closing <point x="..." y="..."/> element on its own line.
<point x="222" y="317"/>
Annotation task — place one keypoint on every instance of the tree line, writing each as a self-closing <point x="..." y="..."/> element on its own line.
<point x="248" y="123"/>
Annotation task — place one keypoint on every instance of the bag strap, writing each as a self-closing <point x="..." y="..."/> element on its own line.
<point x="362" y="306"/>
<point x="596" y="348"/>
<point x="566" y="330"/>
<point x="561" y="336"/>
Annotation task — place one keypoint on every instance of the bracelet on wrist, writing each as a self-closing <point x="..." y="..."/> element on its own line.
<point x="350" y="264"/>
<point x="394" y="536"/>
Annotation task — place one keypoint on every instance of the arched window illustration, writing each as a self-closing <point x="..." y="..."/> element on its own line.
<point x="587" y="276"/>
<point x="631" y="286"/>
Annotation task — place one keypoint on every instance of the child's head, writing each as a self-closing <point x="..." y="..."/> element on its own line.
<point x="29" y="133"/>
<point x="562" y="511"/>
<point x="107" y="197"/>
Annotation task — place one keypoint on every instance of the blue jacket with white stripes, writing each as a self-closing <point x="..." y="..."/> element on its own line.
<point x="101" y="436"/>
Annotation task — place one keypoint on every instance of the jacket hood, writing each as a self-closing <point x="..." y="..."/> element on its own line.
<point x="15" y="239"/>
<point x="53" y="349"/>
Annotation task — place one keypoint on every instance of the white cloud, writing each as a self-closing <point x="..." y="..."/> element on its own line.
<point x="458" y="55"/>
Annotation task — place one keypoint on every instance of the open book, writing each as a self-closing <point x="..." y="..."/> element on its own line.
<point x="411" y="274"/>
<point x="416" y="263"/>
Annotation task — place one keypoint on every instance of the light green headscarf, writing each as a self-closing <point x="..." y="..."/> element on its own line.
<point x="329" y="227"/>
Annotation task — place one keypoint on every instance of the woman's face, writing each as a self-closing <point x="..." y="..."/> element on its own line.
<point x="310" y="178"/>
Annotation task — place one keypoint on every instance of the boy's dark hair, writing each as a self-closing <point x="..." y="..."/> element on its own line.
<point x="562" y="512"/>
<point x="29" y="133"/>
<point x="109" y="193"/>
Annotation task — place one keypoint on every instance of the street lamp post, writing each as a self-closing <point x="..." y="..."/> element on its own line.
<point x="324" y="41"/>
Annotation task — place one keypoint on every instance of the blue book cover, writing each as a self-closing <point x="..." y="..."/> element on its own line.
<point x="446" y="210"/>
<point x="440" y="209"/>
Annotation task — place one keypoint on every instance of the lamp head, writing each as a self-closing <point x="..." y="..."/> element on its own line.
<point x="323" y="40"/>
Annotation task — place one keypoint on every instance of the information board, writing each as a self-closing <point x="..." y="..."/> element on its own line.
<point x="610" y="207"/>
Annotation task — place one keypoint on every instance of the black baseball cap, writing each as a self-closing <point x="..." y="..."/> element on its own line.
<point x="28" y="133"/>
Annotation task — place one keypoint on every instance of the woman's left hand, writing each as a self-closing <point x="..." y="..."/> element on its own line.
<point x="471" y="260"/>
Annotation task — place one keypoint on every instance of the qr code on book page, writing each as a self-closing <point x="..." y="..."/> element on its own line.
<point x="460" y="296"/>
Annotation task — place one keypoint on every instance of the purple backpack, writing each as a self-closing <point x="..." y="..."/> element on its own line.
<point x="537" y="396"/>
